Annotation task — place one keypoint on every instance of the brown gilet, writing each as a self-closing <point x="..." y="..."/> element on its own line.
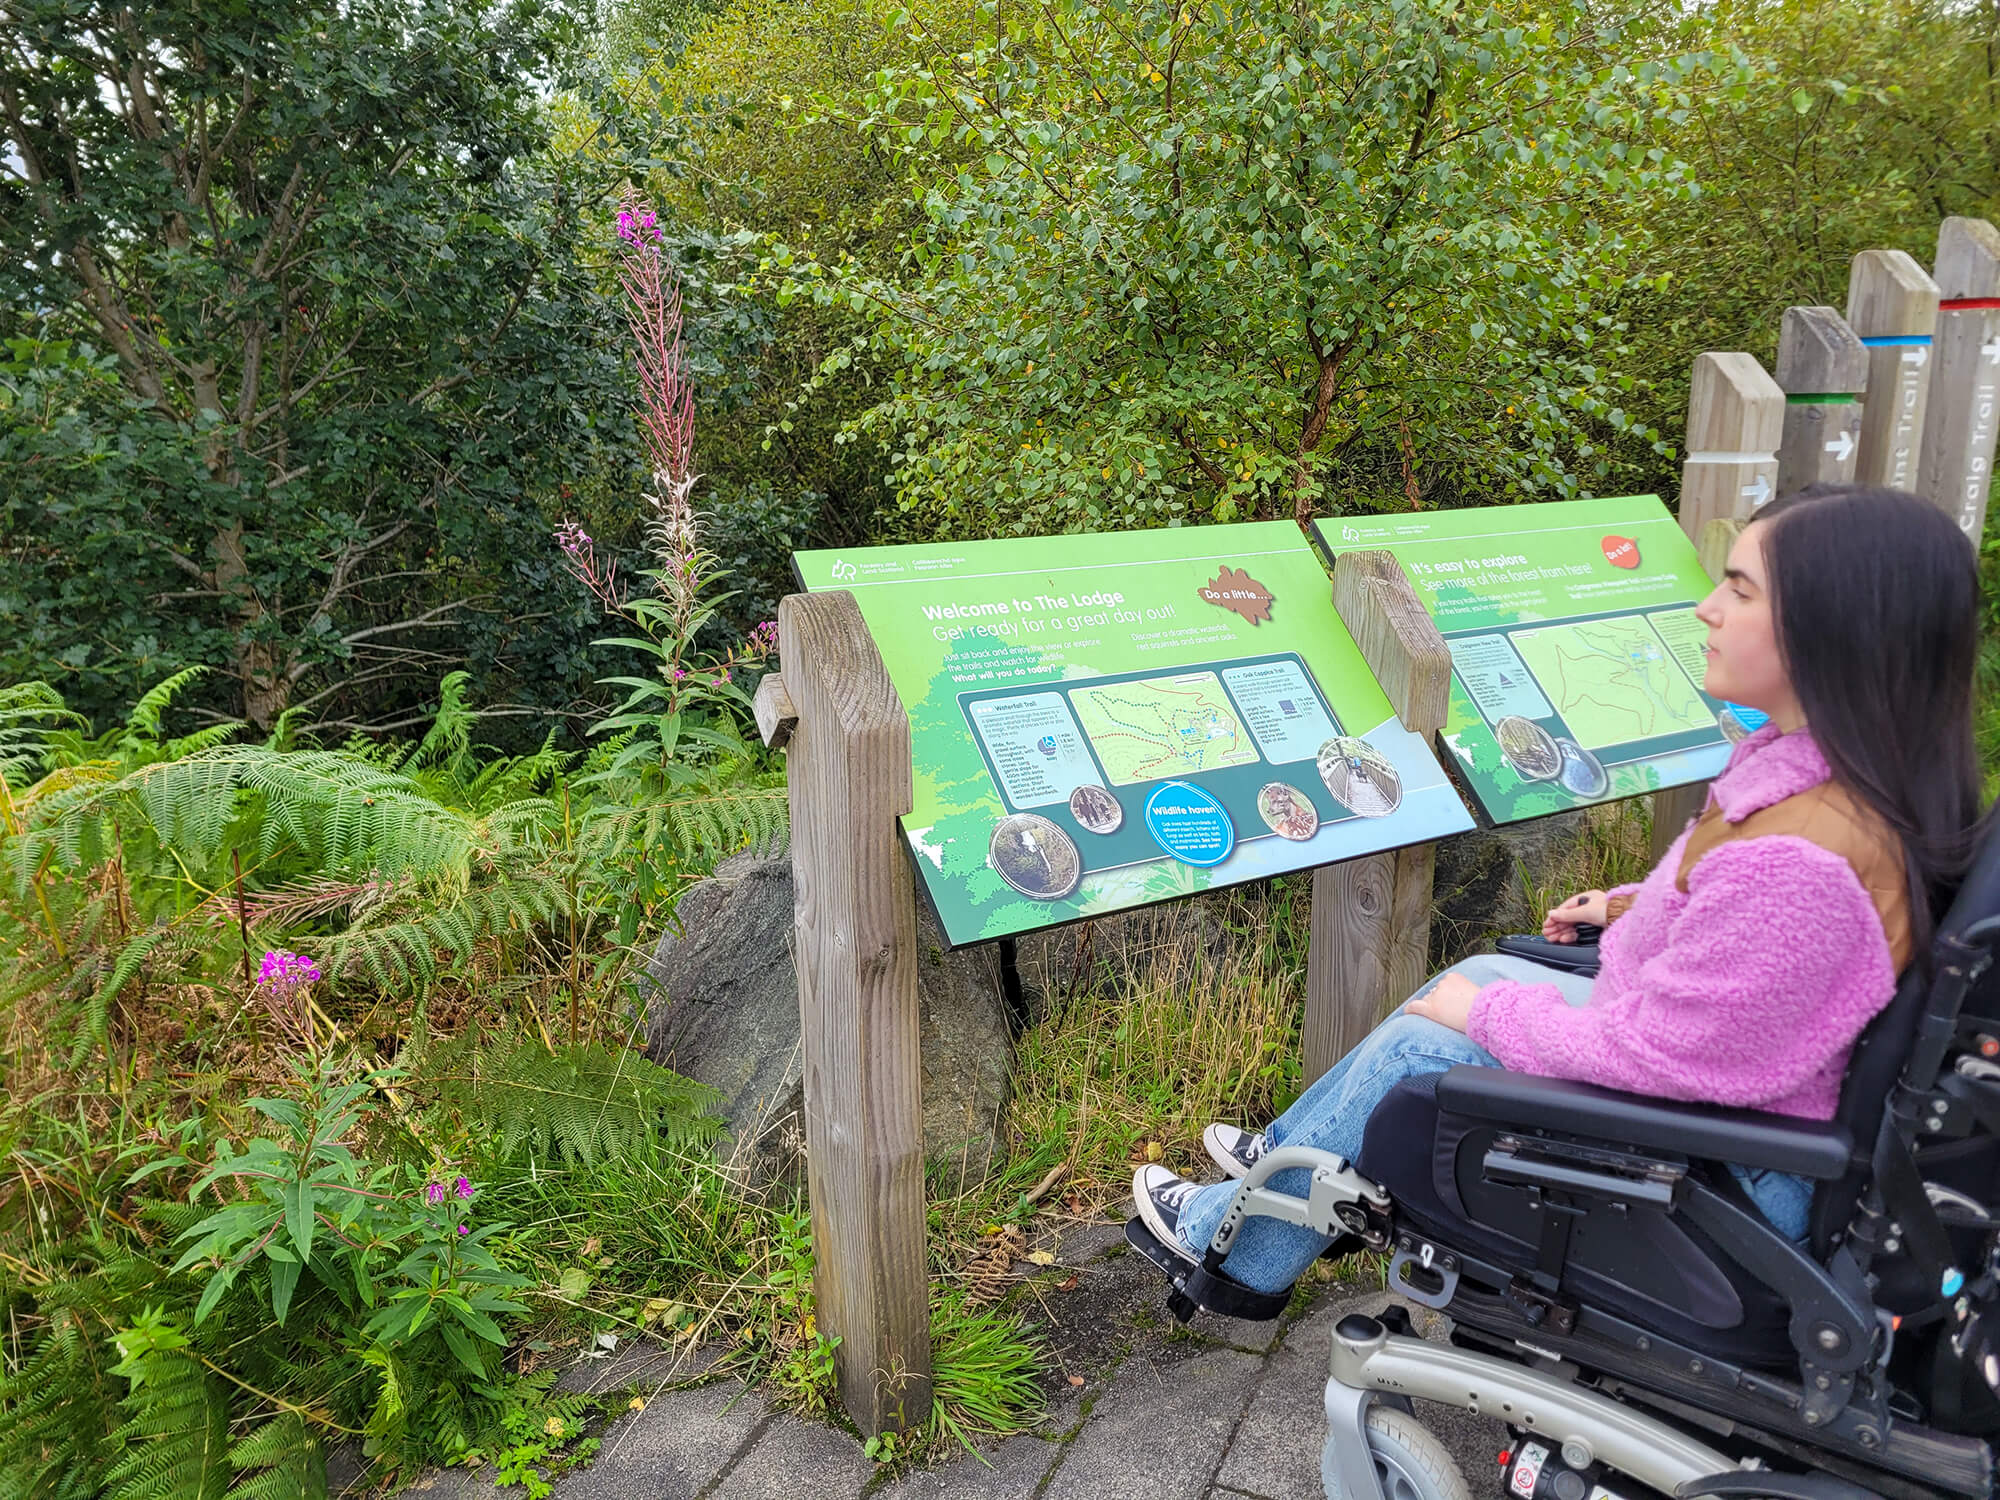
<point x="1840" y="823"/>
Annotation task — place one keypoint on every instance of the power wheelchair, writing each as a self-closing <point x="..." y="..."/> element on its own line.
<point x="1616" y="1299"/>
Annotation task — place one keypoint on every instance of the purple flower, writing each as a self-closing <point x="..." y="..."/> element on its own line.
<point x="764" y="638"/>
<point x="572" y="538"/>
<point x="433" y="1192"/>
<point x="679" y="673"/>
<point x="463" y="1230"/>
<point x="281" y="967"/>
<point x="462" y="1187"/>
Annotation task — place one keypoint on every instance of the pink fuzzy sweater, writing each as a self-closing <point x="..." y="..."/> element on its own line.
<point x="1749" y="988"/>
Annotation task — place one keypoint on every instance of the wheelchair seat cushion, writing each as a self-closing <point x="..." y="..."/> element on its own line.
<point x="1641" y="1264"/>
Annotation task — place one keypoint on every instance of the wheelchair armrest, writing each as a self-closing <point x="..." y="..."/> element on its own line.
<point x="1751" y="1138"/>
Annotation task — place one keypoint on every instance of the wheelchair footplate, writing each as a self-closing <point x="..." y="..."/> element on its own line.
<point x="1196" y="1288"/>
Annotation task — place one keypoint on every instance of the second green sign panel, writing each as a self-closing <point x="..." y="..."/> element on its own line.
<point x="1576" y="654"/>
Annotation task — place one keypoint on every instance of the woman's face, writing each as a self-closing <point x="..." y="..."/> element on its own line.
<point x="1743" y="662"/>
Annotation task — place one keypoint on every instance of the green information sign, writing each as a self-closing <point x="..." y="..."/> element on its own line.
<point x="1576" y="653"/>
<point x="1098" y="722"/>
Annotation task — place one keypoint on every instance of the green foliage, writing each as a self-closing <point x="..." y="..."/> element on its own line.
<point x="283" y="1460"/>
<point x="59" y="1406"/>
<point x="582" y="1104"/>
<point x="294" y="340"/>
<point x="1290" y="235"/>
<point x="1864" y="124"/>
<point x="174" y="1441"/>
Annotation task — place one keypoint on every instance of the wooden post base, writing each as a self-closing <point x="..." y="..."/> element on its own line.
<point x="848" y="767"/>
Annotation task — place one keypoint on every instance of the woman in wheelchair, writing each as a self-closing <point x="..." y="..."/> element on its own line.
<point x="1742" y="969"/>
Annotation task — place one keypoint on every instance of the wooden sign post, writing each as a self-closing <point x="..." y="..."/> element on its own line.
<point x="1893" y="306"/>
<point x="848" y="767"/>
<point x="1822" y="369"/>
<point x="1371" y="917"/>
<point x="1956" y="468"/>
<point x="1736" y="419"/>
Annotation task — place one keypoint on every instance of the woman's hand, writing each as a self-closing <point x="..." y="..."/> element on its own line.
<point x="1448" y="1002"/>
<point x="1560" y="925"/>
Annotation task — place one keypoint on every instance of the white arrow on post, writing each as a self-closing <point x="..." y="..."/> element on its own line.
<point x="1841" y="446"/>
<point x="1758" y="492"/>
<point x="1915" y="356"/>
<point x="1990" y="350"/>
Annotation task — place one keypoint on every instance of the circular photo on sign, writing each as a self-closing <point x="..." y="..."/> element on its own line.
<point x="1035" y="857"/>
<point x="1360" y="777"/>
<point x="1528" y="748"/>
<point x="1096" y="809"/>
<point x="1287" y="811"/>
<point x="1582" y="772"/>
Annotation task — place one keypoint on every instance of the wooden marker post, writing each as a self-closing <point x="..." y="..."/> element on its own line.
<point x="1822" y="369"/>
<point x="1893" y="306"/>
<point x="1956" y="468"/>
<point x="1371" y="917"/>
<point x="848" y="767"/>
<point x="1736" y="418"/>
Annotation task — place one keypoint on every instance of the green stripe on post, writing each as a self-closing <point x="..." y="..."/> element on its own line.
<point x="1834" y="398"/>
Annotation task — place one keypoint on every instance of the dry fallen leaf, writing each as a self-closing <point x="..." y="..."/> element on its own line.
<point x="1041" y="1258"/>
<point x="1076" y="1380"/>
<point x="1068" y="1286"/>
<point x="637" y="1403"/>
<point x="1154" y="1151"/>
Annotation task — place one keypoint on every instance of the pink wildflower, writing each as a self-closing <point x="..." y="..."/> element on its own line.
<point x="463" y="1230"/>
<point x="284" y="968"/>
<point x="433" y="1192"/>
<point x="462" y="1187"/>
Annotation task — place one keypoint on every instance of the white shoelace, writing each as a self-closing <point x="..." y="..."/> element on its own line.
<point x="1177" y="1195"/>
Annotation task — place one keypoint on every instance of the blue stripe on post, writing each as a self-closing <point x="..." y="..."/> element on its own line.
<point x="1897" y="338"/>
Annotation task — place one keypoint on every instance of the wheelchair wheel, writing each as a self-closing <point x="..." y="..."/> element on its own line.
<point x="1410" y="1463"/>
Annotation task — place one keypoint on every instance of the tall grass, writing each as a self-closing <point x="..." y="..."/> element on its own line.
<point x="1133" y="1066"/>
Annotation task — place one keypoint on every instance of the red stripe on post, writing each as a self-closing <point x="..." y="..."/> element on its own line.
<point x="1967" y="304"/>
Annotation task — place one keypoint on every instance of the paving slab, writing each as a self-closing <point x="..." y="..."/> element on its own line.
<point x="1012" y="1471"/>
<point x="1275" y="1454"/>
<point x="790" y="1460"/>
<point x="674" y="1449"/>
<point x="1159" y="1432"/>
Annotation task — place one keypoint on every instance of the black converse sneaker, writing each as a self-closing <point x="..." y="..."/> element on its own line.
<point x="1160" y="1197"/>
<point x="1235" y="1151"/>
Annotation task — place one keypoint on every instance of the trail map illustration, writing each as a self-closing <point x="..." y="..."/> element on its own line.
<point x="1577" y="660"/>
<point x="1100" y="722"/>
<point x="1612" y="681"/>
<point x="1163" y="726"/>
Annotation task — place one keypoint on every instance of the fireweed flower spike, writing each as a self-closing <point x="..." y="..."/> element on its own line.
<point x="462" y="1187"/>
<point x="283" y="979"/>
<point x="433" y="1193"/>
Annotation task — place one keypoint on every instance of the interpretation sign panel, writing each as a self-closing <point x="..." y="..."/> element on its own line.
<point x="1097" y="722"/>
<point x="1577" y="658"/>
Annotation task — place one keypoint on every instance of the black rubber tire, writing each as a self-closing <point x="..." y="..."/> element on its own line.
<point x="1410" y="1463"/>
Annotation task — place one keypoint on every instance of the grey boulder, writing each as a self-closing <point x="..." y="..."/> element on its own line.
<point x="723" y="1007"/>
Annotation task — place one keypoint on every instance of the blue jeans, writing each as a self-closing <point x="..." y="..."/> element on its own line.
<point x="1332" y="1115"/>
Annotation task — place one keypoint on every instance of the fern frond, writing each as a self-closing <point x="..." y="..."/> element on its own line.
<point x="28" y="710"/>
<point x="143" y="723"/>
<point x="287" y="1459"/>
<point x="582" y="1103"/>
<point x="55" y="1415"/>
<point x="175" y="1438"/>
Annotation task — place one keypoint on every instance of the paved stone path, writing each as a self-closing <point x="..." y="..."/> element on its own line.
<point x="1218" y="1411"/>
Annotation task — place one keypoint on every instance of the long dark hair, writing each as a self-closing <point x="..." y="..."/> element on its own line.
<point x="1875" y="594"/>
